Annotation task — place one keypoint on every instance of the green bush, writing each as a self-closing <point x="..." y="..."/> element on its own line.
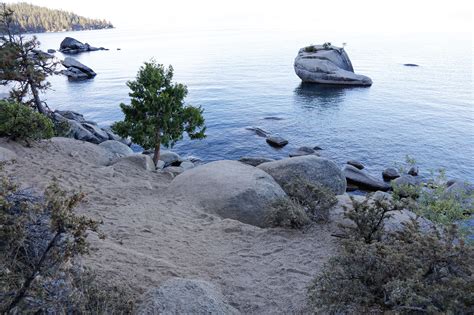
<point x="19" y="122"/>
<point x="287" y="213"/>
<point x="310" y="48"/>
<point x="315" y="198"/>
<point x="406" y="272"/>
<point x="410" y="272"/>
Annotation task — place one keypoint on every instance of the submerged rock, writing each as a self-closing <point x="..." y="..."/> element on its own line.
<point x="231" y="190"/>
<point x="410" y="65"/>
<point x="363" y="180"/>
<point x="302" y="151"/>
<point x="328" y="65"/>
<point x="254" y="161"/>
<point x="311" y="168"/>
<point x="356" y="164"/>
<point x="276" y="141"/>
<point x="185" y="296"/>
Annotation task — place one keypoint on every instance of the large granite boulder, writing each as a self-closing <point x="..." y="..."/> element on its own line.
<point x="138" y="161"/>
<point x="116" y="148"/>
<point x="231" y="190"/>
<point x="77" y="70"/>
<point x="311" y="168"/>
<point x="70" y="45"/>
<point x="327" y="64"/>
<point x="363" y="180"/>
<point x="185" y="296"/>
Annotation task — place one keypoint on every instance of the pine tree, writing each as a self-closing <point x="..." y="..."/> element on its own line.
<point x="22" y="63"/>
<point x="157" y="114"/>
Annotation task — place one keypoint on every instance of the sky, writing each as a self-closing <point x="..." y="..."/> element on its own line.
<point x="339" y="15"/>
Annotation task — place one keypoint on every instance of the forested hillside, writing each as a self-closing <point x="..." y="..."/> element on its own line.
<point x="34" y="19"/>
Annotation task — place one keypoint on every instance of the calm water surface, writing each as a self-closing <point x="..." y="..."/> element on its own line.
<point x="241" y="77"/>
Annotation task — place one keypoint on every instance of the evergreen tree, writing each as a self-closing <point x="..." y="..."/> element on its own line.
<point x="157" y="114"/>
<point x="22" y="64"/>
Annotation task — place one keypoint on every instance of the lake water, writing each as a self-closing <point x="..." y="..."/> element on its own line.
<point x="240" y="77"/>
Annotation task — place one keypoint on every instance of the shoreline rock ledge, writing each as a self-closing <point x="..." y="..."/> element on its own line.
<point x="327" y="64"/>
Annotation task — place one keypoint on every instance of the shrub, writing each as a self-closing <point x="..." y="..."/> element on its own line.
<point x="19" y="122"/>
<point x="39" y="238"/>
<point x="315" y="198"/>
<point x="327" y="45"/>
<point x="287" y="213"/>
<point x="310" y="48"/>
<point x="409" y="272"/>
<point x="368" y="216"/>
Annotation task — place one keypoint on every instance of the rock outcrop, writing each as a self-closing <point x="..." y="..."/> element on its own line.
<point x="76" y="70"/>
<point x="231" y="190"/>
<point x="70" y="45"/>
<point x="311" y="168"/>
<point x="80" y="129"/>
<point x="185" y="296"/>
<point x="363" y="180"/>
<point x="328" y="65"/>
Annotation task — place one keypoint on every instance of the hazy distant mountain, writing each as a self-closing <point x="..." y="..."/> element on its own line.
<point x="34" y="19"/>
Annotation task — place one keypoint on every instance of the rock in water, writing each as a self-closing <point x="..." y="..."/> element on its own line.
<point x="254" y="161"/>
<point x="390" y="173"/>
<point x="363" y="180"/>
<point x="70" y="45"/>
<point x="311" y="168"/>
<point x="185" y="296"/>
<point x="356" y="164"/>
<point x="231" y="190"/>
<point x="276" y="141"/>
<point x="303" y="151"/>
<point x="329" y="65"/>
<point x="73" y="66"/>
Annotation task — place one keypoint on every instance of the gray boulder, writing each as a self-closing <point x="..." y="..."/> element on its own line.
<point x="140" y="161"/>
<point x="276" y="141"/>
<point x="169" y="157"/>
<point x="405" y="183"/>
<point x="75" y="74"/>
<point x="185" y="296"/>
<point x="356" y="164"/>
<point x="389" y="174"/>
<point x="329" y="65"/>
<point x="311" y="168"/>
<point x="231" y="190"/>
<point x="74" y="66"/>
<point x="51" y="51"/>
<point x="175" y="170"/>
<point x="70" y="45"/>
<point x="69" y="114"/>
<point x="254" y="161"/>
<point x="413" y="171"/>
<point x="77" y="131"/>
<point x="116" y="148"/>
<point x="7" y="155"/>
<point x="187" y="165"/>
<point x="363" y="180"/>
<point x="160" y="165"/>
<point x="96" y="131"/>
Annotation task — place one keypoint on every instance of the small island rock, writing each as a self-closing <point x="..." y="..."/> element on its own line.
<point x="328" y="65"/>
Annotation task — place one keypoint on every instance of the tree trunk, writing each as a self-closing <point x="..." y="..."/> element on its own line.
<point x="156" y="155"/>
<point x="38" y="104"/>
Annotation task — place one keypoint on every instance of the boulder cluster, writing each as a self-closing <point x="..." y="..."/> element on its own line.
<point x="70" y="45"/>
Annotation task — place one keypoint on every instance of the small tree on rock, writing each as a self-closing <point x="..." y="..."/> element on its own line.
<point x="157" y="114"/>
